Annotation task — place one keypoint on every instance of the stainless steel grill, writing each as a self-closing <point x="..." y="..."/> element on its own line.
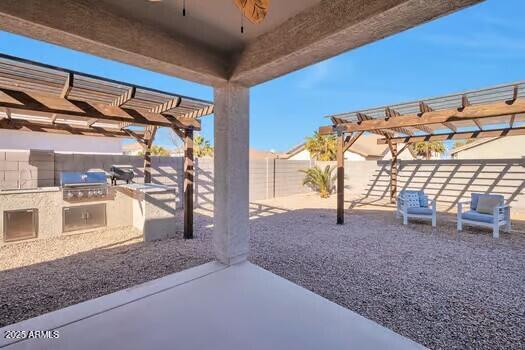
<point x="120" y="172"/>
<point x="79" y="186"/>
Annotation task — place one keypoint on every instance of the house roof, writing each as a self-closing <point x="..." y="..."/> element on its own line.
<point x="472" y="145"/>
<point x="130" y="147"/>
<point x="263" y="154"/>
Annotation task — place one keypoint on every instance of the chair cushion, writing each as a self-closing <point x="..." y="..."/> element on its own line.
<point x="479" y="217"/>
<point x="411" y="199"/>
<point x="419" y="211"/>
<point x="486" y="204"/>
<point x="423" y="199"/>
<point x="476" y="196"/>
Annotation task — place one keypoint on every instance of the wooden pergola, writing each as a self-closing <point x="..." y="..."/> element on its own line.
<point x="492" y="112"/>
<point x="40" y="98"/>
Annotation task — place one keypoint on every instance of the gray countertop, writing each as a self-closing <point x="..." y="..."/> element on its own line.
<point x="30" y="190"/>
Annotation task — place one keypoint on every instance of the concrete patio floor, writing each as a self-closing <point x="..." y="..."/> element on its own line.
<point x="440" y="290"/>
<point x="210" y="306"/>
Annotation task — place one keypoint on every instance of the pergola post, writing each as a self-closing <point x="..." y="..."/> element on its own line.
<point x="393" y="171"/>
<point x="188" y="183"/>
<point x="231" y="201"/>
<point x="340" y="156"/>
<point x="148" y="138"/>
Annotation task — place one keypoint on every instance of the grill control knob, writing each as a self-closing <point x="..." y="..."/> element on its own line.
<point x="80" y="194"/>
<point x="70" y="195"/>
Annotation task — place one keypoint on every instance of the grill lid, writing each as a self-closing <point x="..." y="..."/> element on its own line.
<point x="82" y="178"/>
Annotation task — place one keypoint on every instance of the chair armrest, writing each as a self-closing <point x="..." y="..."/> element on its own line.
<point x="501" y="211"/>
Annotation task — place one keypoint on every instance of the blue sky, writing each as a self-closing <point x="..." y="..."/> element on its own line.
<point x="477" y="47"/>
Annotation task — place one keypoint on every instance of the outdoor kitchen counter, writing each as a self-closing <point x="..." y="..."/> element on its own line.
<point x="48" y="204"/>
<point x="154" y="210"/>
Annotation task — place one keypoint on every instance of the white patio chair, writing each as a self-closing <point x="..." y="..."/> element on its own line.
<point x="415" y="204"/>
<point x="499" y="216"/>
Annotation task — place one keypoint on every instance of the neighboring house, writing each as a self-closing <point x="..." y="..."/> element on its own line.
<point x="492" y="148"/>
<point x="131" y="149"/>
<point x="134" y="149"/>
<point x="22" y="140"/>
<point x="259" y="154"/>
<point x="365" y="148"/>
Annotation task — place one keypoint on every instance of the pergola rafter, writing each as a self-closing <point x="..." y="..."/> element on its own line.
<point x="493" y="112"/>
<point x="463" y="135"/>
<point x="42" y="98"/>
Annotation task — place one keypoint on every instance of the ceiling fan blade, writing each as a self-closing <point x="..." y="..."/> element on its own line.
<point x="254" y="10"/>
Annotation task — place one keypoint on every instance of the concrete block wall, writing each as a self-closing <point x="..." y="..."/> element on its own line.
<point x="26" y="169"/>
<point x="203" y="189"/>
<point x="289" y="178"/>
<point x="262" y="179"/>
<point x="450" y="181"/>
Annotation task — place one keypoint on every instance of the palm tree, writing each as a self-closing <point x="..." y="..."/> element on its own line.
<point x="202" y="147"/>
<point x="320" y="180"/>
<point x="428" y="148"/>
<point x="156" y="150"/>
<point x="322" y="148"/>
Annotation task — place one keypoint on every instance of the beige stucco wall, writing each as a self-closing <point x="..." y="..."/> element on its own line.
<point x="505" y="147"/>
<point x="305" y="155"/>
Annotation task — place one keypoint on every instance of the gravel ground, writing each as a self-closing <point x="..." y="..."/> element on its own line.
<point x="422" y="283"/>
<point x="41" y="276"/>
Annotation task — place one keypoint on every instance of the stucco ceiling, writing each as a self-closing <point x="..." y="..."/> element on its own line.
<point x="214" y="23"/>
<point x="207" y="45"/>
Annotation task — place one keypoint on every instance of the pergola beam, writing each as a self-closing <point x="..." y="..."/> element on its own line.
<point x="92" y="121"/>
<point x="512" y="120"/>
<point x="392" y="113"/>
<point x="167" y="106"/>
<point x="68" y="85"/>
<point x="46" y="103"/>
<point x="463" y="135"/>
<point x="494" y="109"/>
<point x="480" y="127"/>
<point x="351" y="139"/>
<point x="58" y="128"/>
<point x="424" y="108"/>
<point x="125" y="97"/>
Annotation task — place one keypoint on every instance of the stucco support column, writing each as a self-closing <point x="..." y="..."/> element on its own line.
<point x="231" y="204"/>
